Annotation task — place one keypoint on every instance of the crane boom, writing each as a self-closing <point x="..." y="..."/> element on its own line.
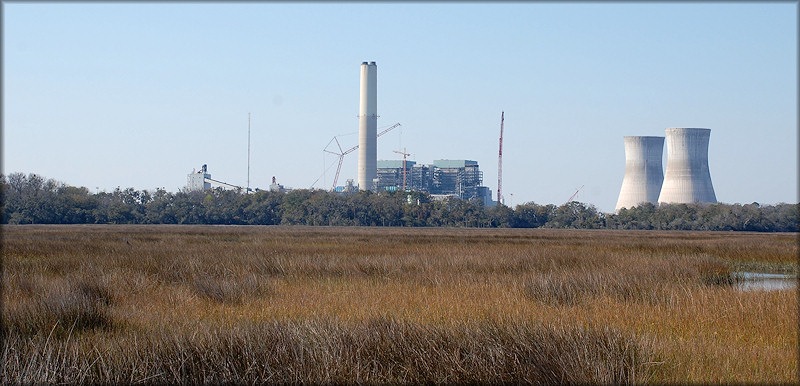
<point x="500" y="162"/>
<point x="354" y="148"/>
<point x="388" y="130"/>
<point x="574" y="195"/>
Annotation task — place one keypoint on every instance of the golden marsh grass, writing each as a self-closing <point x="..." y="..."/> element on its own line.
<point x="314" y="304"/>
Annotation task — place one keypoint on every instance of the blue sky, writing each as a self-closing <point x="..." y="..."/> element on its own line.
<point x="139" y="94"/>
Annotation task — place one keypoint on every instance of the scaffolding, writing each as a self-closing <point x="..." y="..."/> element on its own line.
<point x="459" y="178"/>
<point x="420" y="178"/>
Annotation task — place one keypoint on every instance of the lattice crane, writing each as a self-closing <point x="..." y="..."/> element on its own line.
<point x="404" y="165"/>
<point x="574" y="195"/>
<point x="342" y="153"/>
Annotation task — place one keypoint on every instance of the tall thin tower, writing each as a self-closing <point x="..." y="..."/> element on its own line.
<point x="368" y="127"/>
<point x="643" y="171"/>
<point x="248" y="152"/>
<point x="500" y="162"/>
<point x="687" y="179"/>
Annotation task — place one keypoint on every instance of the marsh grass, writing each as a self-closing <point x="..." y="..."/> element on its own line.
<point x="637" y="279"/>
<point x="72" y="308"/>
<point x="228" y="289"/>
<point x="295" y="304"/>
<point x="328" y="351"/>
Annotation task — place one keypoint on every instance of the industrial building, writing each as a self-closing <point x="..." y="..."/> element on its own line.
<point x="368" y="126"/>
<point x="455" y="178"/>
<point x="643" y="171"/>
<point x="276" y="187"/>
<point x="390" y="175"/>
<point x="687" y="179"/>
<point x="201" y="180"/>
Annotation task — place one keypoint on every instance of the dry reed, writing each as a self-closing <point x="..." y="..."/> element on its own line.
<point x="329" y="351"/>
<point x="296" y="304"/>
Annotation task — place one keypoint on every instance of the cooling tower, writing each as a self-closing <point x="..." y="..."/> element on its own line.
<point x="643" y="171"/>
<point x="368" y="127"/>
<point x="687" y="179"/>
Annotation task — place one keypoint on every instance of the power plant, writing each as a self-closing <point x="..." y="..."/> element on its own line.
<point x="687" y="179"/>
<point x="456" y="178"/>
<point x="368" y="127"/>
<point x="444" y="178"/>
<point x="643" y="172"/>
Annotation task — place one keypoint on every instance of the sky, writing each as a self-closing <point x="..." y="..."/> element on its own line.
<point x="107" y="95"/>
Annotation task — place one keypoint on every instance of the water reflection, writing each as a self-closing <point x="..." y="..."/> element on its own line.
<point x="756" y="281"/>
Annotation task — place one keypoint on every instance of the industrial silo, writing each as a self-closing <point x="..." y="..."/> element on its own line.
<point x="687" y="179"/>
<point x="643" y="171"/>
<point x="368" y="127"/>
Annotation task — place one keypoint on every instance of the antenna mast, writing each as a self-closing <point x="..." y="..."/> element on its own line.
<point x="248" y="152"/>
<point x="500" y="163"/>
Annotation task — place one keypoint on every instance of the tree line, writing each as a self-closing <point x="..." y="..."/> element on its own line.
<point x="32" y="199"/>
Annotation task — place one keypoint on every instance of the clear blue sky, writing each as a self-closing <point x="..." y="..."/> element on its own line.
<point x="139" y="94"/>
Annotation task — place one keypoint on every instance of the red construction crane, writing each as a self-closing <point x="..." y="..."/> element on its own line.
<point x="572" y="197"/>
<point x="404" y="165"/>
<point x="341" y="153"/>
<point x="500" y="163"/>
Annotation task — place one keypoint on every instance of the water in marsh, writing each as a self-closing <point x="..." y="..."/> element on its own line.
<point x="756" y="281"/>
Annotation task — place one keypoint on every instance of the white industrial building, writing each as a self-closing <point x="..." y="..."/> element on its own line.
<point x="201" y="180"/>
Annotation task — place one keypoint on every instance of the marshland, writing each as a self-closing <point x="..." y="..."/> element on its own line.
<point x="168" y="303"/>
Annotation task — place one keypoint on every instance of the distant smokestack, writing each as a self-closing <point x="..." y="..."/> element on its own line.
<point x="368" y="127"/>
<point x="643" y="171"/>
<point x="687" y="179"/>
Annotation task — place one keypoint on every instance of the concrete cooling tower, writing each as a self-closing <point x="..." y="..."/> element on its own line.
<point x="643" y="171"/>
<point x="368" y="127"/>
<point x="687" y="179"/>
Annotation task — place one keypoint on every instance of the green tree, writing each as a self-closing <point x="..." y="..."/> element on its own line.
<point x="499" y="216"/>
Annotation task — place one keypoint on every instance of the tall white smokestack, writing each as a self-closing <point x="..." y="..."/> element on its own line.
<point x="643" y="171"/>
<point x="368" y="127"/>
<point x="687" y="179"/>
